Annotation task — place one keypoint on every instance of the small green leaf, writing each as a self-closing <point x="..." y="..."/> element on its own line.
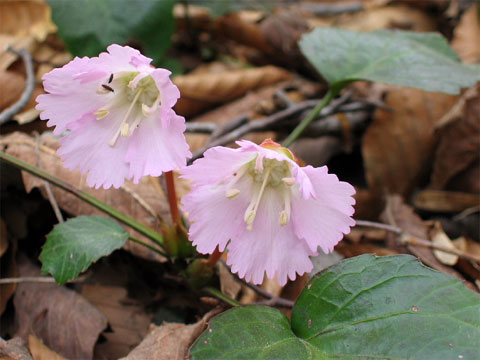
<point x="74" y="245"/>
<point x="419" y="60"/>
<point x="89" y="26"/>
<point x="365" y="307"/>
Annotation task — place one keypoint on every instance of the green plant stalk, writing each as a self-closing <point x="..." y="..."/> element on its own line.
<point x="218" y="294"/>
<point x="125" y="219"/>
<point x="153" y="248"/>
<point x="310" y="117"/>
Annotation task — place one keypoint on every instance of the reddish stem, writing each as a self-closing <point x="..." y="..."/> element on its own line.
<point x="216" y="255"/>
<point x="172" y="198"/>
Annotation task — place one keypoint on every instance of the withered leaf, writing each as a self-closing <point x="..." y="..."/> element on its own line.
<point x="64" y="320"/>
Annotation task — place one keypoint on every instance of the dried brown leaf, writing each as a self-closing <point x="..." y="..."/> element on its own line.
<point x="170" y="341"/>
<point x="65" y="321"/>
<point x="142" y="202"/>
<point x="26" y="18"/>
<point x="459" y="144"/>
<point x="466" y="37"/>
<point x="401" y="215"/>
<point x="398" y="145"/>
<point x="441" y="239"/>
<point x="8" y="267"/>
<point x="201" y="91"/>
<point x="445" y="201"/>
<point x="12" y="87"/>
<point x="40" y="351"/>
<point x="127" y="319"/>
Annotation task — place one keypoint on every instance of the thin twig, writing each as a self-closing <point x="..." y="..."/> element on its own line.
<point x="272" y="122"/>
<point x="408" y="239"/>
<point x="36" y="279"/>
<point x="272" y="300"/>
<point x="11" y="111"/>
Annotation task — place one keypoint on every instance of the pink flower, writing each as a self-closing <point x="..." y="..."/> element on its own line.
<point x="118" y="111"/>
<point x="272" y="213"/>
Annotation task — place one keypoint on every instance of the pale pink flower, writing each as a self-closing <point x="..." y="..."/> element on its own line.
<point x="272" y="213"/>
<point x="118" y="111"/>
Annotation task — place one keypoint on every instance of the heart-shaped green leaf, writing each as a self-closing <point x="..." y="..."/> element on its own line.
<point x="420" y="60"/>
<point x="365" y="307"/>
<point x="74" y="245"/>
<point x="89" y="26"/>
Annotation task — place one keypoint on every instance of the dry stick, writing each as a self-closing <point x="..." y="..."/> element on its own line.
<point x="11" y="111"/>
<point x="270" y="122"/>
<point x="408" y="239"/>
<point x="272" y="300"/>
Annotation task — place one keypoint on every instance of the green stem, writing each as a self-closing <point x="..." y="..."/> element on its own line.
<point x="125" y="219"/>
<point x="153" y="248"/>
<point x="218" y="294"/>
<point x="313" y="114"/>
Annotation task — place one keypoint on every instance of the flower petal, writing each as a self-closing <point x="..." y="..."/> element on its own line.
<point x="68" y="99"/>
<point x="87" y="148"/>
<point x="218" y="164"/>
<point x="215" y="219"/>
<point x="323" y="221"/>
<point x="154" y="149"/>
<point x="269" y="247"/>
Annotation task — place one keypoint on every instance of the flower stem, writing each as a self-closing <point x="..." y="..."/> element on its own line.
<point x="313" y="114"/>
<point x="172" y="198"/>
<point x="213" y="259"/>
<point x="218" y="294"/>
<point x="148" y="246"/>
<point x="107" y="209"/>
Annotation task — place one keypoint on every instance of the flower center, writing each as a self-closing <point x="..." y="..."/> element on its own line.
<point x="138" y="90"/>
<point x="265" y="173"/>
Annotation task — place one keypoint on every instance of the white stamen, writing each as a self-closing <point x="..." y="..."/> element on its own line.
<point x="124" y="131"/>
<point x="117" y="134"/>
<point x="232" y="193"/>
<point x="100" y="114"/>
<point x="289" y="181"/>
<point x="250" y="214"/>
<point x="283" y="218"/>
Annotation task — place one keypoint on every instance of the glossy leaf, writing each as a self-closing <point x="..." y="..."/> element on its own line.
<point x="419" y="60"/>
<point x="74" y="245"/>
<point x="365" y="307"/>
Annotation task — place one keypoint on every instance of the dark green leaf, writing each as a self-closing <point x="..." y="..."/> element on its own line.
<point x="74" y="245"/>
<point x="89" y="26"/>
<point x="365" y="307"/>
<point x="420" y="60"/>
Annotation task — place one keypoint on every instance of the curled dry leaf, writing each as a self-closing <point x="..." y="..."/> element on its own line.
<point x="14" y="349"/>
<point x="401" y="215"/>
<point x="143" y="201"/>
<point x="466" y="37"/>
<point x="202" y="91"/>
<point x="459" y="145"/>
<point x="40" y="351"/>
<point x="65" y="321"/>
<point x="170" y="341"/>
<point x="398" y="145"/>
<point x="441" y="239"/>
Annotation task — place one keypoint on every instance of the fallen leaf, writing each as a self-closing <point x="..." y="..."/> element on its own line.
<point x="40" y="351"/>
<point x="26" y="18"/>
<point x="170" y="341"/>
<point x="8" y="267"/>
<point x="459" y="144"/>
<point x="445" y="201"/>
<point x="466" y="37"/>
<point x="127" y="319"/>
<point x="12" y="87"/>
<point x="64" y="320"/>
<point x="14" y="349"/>
<point x="441" y="239"/>
<point x="201" y="91"/>
<point x="229" y="285"/>
<point x="142" y="202"/>
<point x="399" y="214"/>
<point x="351" y="250"/>
<point x="398" y="145"/>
